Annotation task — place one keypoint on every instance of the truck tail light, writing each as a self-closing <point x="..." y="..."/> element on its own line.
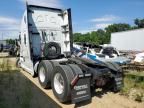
<point x="74" y="81"/>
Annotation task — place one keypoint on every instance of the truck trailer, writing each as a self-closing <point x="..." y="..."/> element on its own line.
<point x="46" y="43"/>
<point x="130" y="40"/>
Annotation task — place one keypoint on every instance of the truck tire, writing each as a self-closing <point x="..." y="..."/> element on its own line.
<point x="45" y="70"/>
<point x="61" y="80"/>
<point x="54" y="63"/>
<point x="52" y="50"/>
<point x="76" y="70"/>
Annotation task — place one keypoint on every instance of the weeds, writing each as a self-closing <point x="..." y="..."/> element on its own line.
<point x="5" y="65"/>
<point x="134" y="86"/>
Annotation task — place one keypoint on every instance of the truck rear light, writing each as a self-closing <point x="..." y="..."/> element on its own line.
<point x="77" y="77"/>
<point x="74" y="81"/>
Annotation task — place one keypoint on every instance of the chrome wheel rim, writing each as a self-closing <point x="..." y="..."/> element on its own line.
<point x="58" y="83"/>
<point x="42" y="74"/>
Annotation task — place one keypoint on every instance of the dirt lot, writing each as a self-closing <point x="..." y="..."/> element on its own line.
<point x="19" y="90"/>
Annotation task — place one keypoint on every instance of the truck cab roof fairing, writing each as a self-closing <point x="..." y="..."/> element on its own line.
<point x="28" y="6"/>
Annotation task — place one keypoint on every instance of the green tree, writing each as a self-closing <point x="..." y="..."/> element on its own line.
<point x="101" y="34"/>
<point x="77" y="37"/>
<point x="10" y="41"/>
<point x="94" y="38"/>
<point x="139" y="23"/>
<point x="117" y="27"/>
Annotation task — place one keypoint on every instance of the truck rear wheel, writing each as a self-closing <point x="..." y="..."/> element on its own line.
<point x="75" y="69"/>
<point x="44" y="73"/>
<point x="54" y="63"/>
<point x="61" y="80"/>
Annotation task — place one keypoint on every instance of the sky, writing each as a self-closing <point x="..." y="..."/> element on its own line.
<point x="87" y="15"/>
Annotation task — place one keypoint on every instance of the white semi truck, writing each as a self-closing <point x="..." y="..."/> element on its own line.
<point x="45" y="50"/>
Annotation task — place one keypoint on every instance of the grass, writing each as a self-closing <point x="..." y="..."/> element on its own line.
<point x="16" y="91"/>
<point x="134" y="85"/>
<point x="130" y="83"/>
<point x="10" y="82"/>
<point x="5" y="65"/>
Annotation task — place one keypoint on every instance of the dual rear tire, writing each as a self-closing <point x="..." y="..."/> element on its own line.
<point x="61" y="83"/>
<point x="58" y="77"/>
<point x="45" y="70"/>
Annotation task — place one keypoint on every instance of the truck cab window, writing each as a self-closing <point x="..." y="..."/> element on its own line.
<point x="24" y="38"/>
<point x="20" y="39"/>
<point x="44" y="36"/>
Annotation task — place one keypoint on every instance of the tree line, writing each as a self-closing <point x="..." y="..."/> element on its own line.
<point x="103" y="36"/>
<point x="10" y="41"/>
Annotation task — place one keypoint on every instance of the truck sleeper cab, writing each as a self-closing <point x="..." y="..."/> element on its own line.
<point x="45" y="49"/>
<point x="46" y="42"/>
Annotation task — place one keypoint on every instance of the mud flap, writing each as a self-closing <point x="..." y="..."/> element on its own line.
<point x="81" y="90"/>
<point x="119" y="82"/>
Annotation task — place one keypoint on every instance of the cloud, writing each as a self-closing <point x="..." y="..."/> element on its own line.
<point x="94" y="28"/>
<point x="9" y="35"/>
<point x="102" y="25"/>
<point x="7" y="20"/>
<point x="9" y="27"/>
<point x="106" y="18"/>
<point x="85" y="31"/>
<point x="9" y="23"/>
<point x="49" y="3"/>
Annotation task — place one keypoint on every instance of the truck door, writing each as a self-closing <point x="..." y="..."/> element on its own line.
<point x="25" y="54"/>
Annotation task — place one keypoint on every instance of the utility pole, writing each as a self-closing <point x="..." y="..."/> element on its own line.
<point x="2" y="36"/>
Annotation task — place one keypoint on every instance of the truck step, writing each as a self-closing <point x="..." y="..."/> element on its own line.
<point x="66" y="42"/>
<point x="65" y="31"/>
<point x="62" y="14"/>
<point x="119" y="82"/>
<point x="64" y="26"/>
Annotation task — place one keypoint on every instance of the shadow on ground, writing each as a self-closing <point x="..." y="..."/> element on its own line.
<point x="16" y="91"/>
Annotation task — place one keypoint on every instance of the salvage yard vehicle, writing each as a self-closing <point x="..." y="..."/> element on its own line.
<point x="15" y="50"/>
<point x="5" y="48"/>
<point x="46" y="50"/>
<point x="99" y="53"/>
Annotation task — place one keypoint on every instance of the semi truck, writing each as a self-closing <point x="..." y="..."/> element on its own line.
<point x="46" y="42"/>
